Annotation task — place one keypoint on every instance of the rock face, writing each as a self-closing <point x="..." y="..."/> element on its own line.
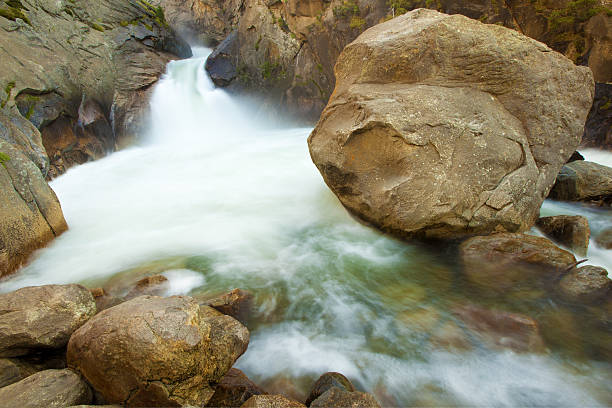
<point x="589" y="284"/>
<point x="419" y="139"/>
<point x="233" y="390"/>
<point x="570" y="231"/>
<point x="582" y="181"/>
<point x="47" y="389"/>
<point x="503" y="261"/>
<point x="153" y="351"/>
<point x="42" y="317"/>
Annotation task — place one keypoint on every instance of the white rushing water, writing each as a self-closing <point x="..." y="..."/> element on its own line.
<point x="242" y="205"/>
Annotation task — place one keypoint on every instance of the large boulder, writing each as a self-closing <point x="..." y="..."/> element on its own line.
<point x="42" y="317"/>
<point x="506" y="261"/>
<point x="441" y="126"/>
<point x="153" y="351"/>
<point x="571" y="231"/>
<point x="583" y="181"/>
<point x="47" y="389"/>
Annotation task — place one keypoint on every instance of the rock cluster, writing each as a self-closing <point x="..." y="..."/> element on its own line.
<point x="421" y="139"/>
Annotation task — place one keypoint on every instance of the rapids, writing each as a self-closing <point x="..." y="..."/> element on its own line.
<point x="216" y="199"/>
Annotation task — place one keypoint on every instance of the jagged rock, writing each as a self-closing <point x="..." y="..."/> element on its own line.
<point x="238" y="303"/>
<point x="336" y="397"/>
<point x="271" y="401"/>
<point x="582" y="181"/>
<point x="504" y="261"/>
<point x="570" y="231"/>
<point x="408" y="153"/>
<point x="326" y="382"/>
<point x="47" y="389"/>
<point x="150" y="338"/>
<point x="589" y="284"/>
<point x="16" y="369"/>
<point x="604" y="239"/>
<point x="42" y="317"/>
<point x="233" y="390"/>
<point x="499" y="329"/>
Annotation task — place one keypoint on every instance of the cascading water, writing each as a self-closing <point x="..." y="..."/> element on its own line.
<point x="214" y="200"/>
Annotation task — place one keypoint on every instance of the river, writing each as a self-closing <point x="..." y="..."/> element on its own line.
<point x="214" y="199"/>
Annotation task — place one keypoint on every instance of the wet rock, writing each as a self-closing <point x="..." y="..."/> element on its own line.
<point x="47" y="389"/>
<point x="326" y="382"/>
<point x="572" y="232"/>
<point x="42" y="317"/>
<point x="104" y="300"/>
<point x="505" y="261"/>
<point x="604" y="239"/>
<point x="432" y="326"/>
<point x="238" y="303"/>
<point x="156" y="285"/>
<point x="585" y="285"/>
<point x="336" y="397"/>
<point x="233" y="390"/>
<point x="16" y="369"/>
<point x="583" y="181"/>
<point x="150" y="338"/>
<point x="271" y="401"/>
<point x="219" y="65"/>
<point x="501" y="330"/>
<point x="479" y="156"/>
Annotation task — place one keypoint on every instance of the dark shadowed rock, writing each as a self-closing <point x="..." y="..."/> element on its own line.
<point x="589" y="284"/>
<point x="572" y="232"/>
<point x="233" y="390"/>
<point x="575" y="156"/>
<point x="271" y="401"/>
<point x="220" y="65"/>
<point x="420" y="141"/>
<point x="238" y="303"/>
<point x="16" y="369"/>
<point x="499" y="329"/>
<point x="160" y="351"/>
<point x="604" y="239"/>
<point x="42" y="317"/>
<point x="583" y="181"/>
<point x="47" y="389"/>
<point x="336" y="397"/>
<point x="503" y="261"/>
<point x="326" y="382"/>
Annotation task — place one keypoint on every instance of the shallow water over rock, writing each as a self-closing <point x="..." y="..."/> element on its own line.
<point x="214" y="200"/>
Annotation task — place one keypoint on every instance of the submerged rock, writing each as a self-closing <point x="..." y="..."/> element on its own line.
<point x="160" y="351"/>
<point x="419" y="139"/>
<point x="583" y="181"/>
<point x="271" y="401"/>
<point x="504" y="261"/>
<point x="589" y="284"/>
<point x="42" y="317"/>
<point x="47" y="389"/>
<point x="233" y="390"/>
<point x="570" y="231"/>
<point x="326" y="382"/>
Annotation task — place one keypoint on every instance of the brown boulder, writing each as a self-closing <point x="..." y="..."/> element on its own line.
<point x="336" y="397"/>
<point x="233" y="390"/>
<point x="583" y="181"/>
<point x="499" y="329"/>
<point x="238" y="303"/>
<point x="326" y="382"/>
<point x="42" y="317"/>
<point x="503" y="261"/>
<point x="570" y="231"/>
<point x="153" y="351"/>
<point x="47" y="389"/>
<point x="422" y="137"/>
<point x="271" y="401"/>
<point x="604" y="239"/>
<point x="589" y="284"/>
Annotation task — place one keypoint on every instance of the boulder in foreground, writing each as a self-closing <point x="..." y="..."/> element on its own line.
<point x="153" y="351"/>
<point x="441" y="126"/>
<point x="42" y="317"/>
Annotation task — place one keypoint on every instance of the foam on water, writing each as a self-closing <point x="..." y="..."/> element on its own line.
<point x="244" y="206"/>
